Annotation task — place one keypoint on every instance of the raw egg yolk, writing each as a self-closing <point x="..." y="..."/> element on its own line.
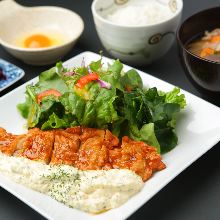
<point x="37" y="41"/>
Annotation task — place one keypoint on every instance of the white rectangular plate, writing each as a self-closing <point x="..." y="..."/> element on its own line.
<point x="198" y="129"/>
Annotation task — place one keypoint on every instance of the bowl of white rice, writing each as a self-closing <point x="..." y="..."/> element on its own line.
<point x="137" y="31"/>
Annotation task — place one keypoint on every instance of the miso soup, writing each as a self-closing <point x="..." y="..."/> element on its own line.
<point x="208" y="46"/>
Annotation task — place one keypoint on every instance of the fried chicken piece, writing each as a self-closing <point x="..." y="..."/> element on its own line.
<point x="9" y="142"/>
<point x="91" y="133"/>
<point x="74" y="130"/>
<point x="94" y="157"/>
<point x="136" y="156"/>
<point x="38" y="145"/>
<point x="110" y="140"/>
<point x="66" y="146"/>
<point x="93" y="153"/>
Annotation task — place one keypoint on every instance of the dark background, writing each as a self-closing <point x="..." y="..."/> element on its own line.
<point x="195" y="193"/>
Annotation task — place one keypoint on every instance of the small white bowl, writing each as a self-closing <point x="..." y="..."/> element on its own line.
<point x="137" y="45"/>
<point x="16" y="20"/>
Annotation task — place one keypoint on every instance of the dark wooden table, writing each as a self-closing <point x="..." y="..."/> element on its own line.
<point x="195" y="193"/>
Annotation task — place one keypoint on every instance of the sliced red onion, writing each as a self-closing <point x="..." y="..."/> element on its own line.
<point x="104" y="84"/>
<point x="69" y="74"/>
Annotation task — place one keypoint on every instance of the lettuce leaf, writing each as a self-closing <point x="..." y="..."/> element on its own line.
<point x="73" y="104"/>
<point x="104" y="105"/>
<point x="147" y="133"/>
<point x="113" y="74"/>
<point x="50" y="79"/>
<point x="96" y="65"/>
<point x="23" y="108"/>
<point x="132" y="80"/>
<point x="174" y="97"/>
<point x="54" y="122"/>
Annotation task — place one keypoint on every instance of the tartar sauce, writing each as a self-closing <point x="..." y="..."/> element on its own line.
<point x="90" y="191"/>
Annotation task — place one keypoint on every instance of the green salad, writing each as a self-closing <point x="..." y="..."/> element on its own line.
<point x="105" y="98"/>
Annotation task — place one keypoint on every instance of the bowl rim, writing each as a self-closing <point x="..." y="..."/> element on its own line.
<point x="184" y="46"/>
<point x="104" y="20"/>
<point x="34" y="50"/>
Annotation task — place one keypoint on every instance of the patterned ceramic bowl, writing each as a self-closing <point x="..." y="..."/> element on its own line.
<point x="16" y="20"/>
<point x="138" y="45"/>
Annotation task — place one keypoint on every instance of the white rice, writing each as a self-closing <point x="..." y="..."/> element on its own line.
<point x="138" y="15"/>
